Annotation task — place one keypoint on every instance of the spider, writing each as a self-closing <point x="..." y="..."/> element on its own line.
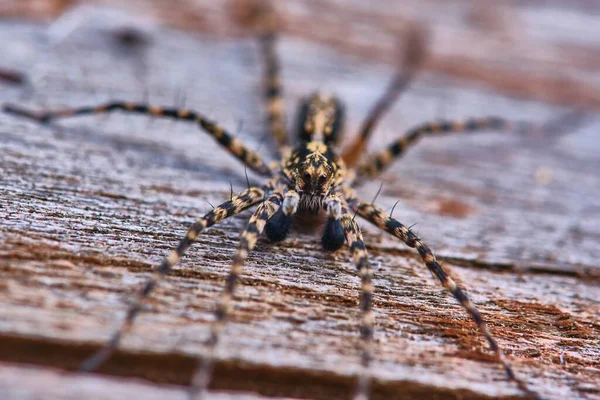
<point x="311" y="183"/>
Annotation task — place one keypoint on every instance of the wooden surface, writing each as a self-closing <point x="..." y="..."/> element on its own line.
<point x="89" y="206"/>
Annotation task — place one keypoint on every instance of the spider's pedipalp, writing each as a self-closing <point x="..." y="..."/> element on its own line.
<point x="248" y="239"/>
<point x="232" y="207"/>
<point x="383" y="221"/>
<point x="279" y="225"/>
<point x="290" y="202"/>
<point x="333" y="232"/>
<point x="249" y="157"/>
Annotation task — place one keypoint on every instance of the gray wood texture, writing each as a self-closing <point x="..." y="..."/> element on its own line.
<point x="89" y="206"/>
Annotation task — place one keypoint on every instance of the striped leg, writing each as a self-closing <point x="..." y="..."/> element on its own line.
<point x="413" y="56"/>
<point x="272" y="80"/>
<point x="359" y="253"/>
<point x="234" y="206"/>
<point x="382" y="160"/>
<point x="248" y="239"/>
<point x="383" y="221"/>
<point x="250" y="158"/>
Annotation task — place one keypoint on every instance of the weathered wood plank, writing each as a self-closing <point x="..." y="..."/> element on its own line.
<point x="90" y="206"/>
<point x="19" y="382"/>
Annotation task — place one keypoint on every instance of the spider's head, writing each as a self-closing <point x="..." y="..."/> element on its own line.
<point x="314" y="174"/>
<point x="315" y="171"/>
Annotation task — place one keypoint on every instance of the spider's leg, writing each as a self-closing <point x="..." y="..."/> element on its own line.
<point x="382" y="160"/>
<point x="359" y="253"/>
<point x="272" y="79"/>
<point x="383" y="221"/>
<point x="413" y="56"/>
<point x="248" y="239"/>
<point x="250" y="158"/>
<point x="234" y="206"/>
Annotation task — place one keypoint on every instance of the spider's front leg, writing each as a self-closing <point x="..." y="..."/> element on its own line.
<point x="232" y="207"/>
<point x="249" y="157"/>
<point x="256" y="225"/>
<point x="383" y="221"/>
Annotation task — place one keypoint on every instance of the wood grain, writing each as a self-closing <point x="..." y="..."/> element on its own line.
<point x="89" y="206"/>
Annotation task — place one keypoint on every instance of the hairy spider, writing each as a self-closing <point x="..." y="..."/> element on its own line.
<point x="311" y="182"/>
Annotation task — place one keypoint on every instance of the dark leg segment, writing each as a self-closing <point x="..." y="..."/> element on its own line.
<point x="413" y="56"/>
<point x="382" y="160"/>
<point x="250" y="158"/>
<point x="248" y="239"/>
<point x="236" y="205"/>
<point x="383" y="221"/>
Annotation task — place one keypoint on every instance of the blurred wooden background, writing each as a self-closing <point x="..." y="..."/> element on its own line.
<point x="88" y="207"/>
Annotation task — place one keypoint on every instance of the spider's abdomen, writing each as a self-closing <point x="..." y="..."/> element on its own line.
<point x="321" y="118"/>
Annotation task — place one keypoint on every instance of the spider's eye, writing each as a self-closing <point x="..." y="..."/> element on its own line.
<point x="306" y="177"/>
<point x="322" y="179"/>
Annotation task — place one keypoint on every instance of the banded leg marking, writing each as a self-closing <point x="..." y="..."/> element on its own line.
<point x="234" y="206"/>
<point x="249" y="157"/>
<point x="359" y="254"/>
<point x="248" y="239"/>
<point x="383" y="221"/>
<point x="381" y="161"/>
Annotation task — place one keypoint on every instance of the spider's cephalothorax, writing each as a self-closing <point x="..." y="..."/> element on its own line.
<point x="311" y="182"/>
<point x="313" y="168"/>
<point x="314" y="172"/>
